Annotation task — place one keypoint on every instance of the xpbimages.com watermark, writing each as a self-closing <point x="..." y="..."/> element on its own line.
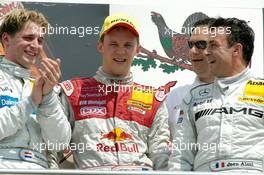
<point x="80" y="31"/>
<point x="80" y="147"/>
<point x="212" y="31"/>
<point x="106" y="89"/>
<point x="119" y="146"/>
<point x="207" y="147"/>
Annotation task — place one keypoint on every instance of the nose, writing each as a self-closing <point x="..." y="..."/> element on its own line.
<point x="193" y="49"/>
<point x="207" y="51"/>
<point x="120" y="50"/>
<point x="35" y="43"/>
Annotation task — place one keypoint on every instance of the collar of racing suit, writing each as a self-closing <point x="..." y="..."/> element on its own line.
<point x="14" y="69"/>
<point x="224" y="83"/>
<point x="105" y="78"/>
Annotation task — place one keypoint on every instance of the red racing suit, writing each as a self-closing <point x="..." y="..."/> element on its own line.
<point x="116" y="127"/>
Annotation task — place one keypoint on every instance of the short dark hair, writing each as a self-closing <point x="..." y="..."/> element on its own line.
<point x="202" y="22"/>
<point x="240" y="32"/>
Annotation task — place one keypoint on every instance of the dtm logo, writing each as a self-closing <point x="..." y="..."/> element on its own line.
<point x="95" y="110"/>
<point x="204" y="92"/>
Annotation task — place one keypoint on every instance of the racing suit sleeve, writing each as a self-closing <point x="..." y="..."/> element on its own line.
<point x="14" y="118"/>
<point x="158" y="139"/>
<point x="184" y="141"/>
<point x="55" y="127"/>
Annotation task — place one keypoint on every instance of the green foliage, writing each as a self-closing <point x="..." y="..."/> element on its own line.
<point x="168" y="68"/>
<point x="146" y="63"/>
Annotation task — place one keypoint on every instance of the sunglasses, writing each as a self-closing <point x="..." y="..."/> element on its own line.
<point x="198" y="44"/>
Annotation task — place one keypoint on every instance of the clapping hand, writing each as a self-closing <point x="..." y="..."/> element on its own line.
<point x="50" y="75"/>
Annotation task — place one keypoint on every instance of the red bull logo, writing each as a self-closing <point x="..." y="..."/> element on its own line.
<point x="117" y="147"/>
<point x="117" y="134"/>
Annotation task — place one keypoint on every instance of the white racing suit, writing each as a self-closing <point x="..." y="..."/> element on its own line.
<point x="122" y="129"/>
<point x="174" y="100"/>
<point x="27" y="132"/>
<point x="221" y="126"/>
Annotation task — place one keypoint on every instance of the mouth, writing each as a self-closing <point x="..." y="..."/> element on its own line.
<point x="120" y="60"/>
<point x="197" y="60"/>
<point x="30" y="53"/>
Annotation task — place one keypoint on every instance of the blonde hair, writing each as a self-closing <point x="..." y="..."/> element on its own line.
<point x="17" y="18"/>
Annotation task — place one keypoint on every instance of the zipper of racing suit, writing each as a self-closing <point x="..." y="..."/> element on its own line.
<point x="114" y="117"/>
<point x="25" y="87"/>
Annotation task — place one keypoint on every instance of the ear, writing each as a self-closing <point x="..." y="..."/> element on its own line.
<point x="138" y="49"/>
<point x="5" y="39"/>
<point x="237" y="49"/>
<point x="99" y="46"/>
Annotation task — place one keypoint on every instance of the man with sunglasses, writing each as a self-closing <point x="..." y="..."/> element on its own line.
<point x="222" y="126"/>
<point x="197" y="45"/>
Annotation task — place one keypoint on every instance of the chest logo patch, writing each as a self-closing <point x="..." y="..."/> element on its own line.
<point x="254" y="88"/>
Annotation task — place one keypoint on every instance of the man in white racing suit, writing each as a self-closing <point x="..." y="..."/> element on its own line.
<point x="32" y="121"/>
<point x="197" y="44"/>
<point x="221" y="125"/>
<point x="118" y="124"/>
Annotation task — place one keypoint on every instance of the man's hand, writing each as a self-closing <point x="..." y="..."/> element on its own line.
<point x="51" y="74"/>
<point x="36" y="94"/>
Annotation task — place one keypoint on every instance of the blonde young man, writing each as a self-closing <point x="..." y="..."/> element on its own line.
<point x="32" y="121"/>
<point x="222" y="124"/>
<point x="117" y="124"/>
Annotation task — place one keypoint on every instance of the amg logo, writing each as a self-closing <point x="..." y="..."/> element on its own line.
<point x="229" y="110"/>
<point x="258" y="83"/>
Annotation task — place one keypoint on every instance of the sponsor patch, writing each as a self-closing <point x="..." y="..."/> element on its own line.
<point x="117" y="134"/>
<point x="196" y="103"/>
<point x="140" y="104"/>
<point x="7" y="101"/>
<point x="5" y="89"/>
<point x="67" y="87"/>
<point x="133" y="108"/>
<point x="204" y="92"/>
<point x="160" y="95"/>
<point x="118" y="147"/>
<point x="92" y="102"/>
<point x="252" y="100"/>
<point x="95" y="110"/>
<point x="254" y="88"/>
<point x="120" y="137"/>
<point x="181" y="112"/>
<point x="232" y="164"/>
<point x="142" y="94"/>
<point x="162" y="91"/>
<point x="180" y="119"/>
